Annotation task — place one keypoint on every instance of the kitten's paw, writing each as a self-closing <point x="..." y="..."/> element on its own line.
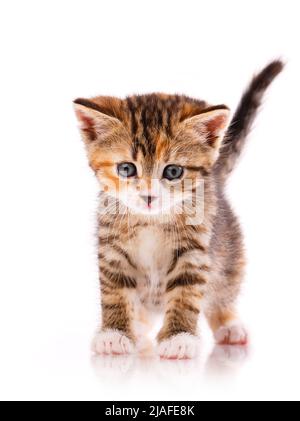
<point x="112" y="342"/>
<point x="234" y="334"/>
<point x="179" y="347"/>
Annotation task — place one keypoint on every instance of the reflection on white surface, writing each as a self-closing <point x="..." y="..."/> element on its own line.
<point x="222" y="360"/>
<point x="226" y="359"/>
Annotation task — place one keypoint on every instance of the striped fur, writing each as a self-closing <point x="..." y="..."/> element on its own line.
<point x="160" y="262"/>
<point x="243" y="118"/>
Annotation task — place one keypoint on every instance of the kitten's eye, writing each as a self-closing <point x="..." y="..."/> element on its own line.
<point x="173" y="172"/>
<point x="127" y="170"/>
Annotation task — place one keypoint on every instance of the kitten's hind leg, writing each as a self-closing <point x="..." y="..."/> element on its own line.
<point x="226" y="326"/>
<point x="142" y="327"/>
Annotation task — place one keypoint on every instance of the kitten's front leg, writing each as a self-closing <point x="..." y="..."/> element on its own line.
<point x="116" y="335"/>
<point x="177" y="338"/>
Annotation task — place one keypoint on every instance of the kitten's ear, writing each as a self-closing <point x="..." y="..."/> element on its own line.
<point x="210" y="125"/>
<point x="98" y="118"/>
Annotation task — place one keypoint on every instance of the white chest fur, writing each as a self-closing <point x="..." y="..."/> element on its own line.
<point x="152" y="254"/>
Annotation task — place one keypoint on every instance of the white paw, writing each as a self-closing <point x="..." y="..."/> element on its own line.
<point x="112" y="342"/>
<point x="234" y="334"/>
<point x="179" y="347"/>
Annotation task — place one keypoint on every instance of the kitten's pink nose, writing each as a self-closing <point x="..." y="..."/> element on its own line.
<point x="148" y="199"/>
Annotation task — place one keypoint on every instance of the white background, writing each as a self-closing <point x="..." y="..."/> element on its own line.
<point x="54" y="51"/>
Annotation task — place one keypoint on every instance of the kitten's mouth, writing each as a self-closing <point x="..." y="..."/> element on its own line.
<point x="149" y="210"/>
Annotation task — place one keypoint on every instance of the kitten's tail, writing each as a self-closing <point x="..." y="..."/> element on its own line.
<point x="243" y="118"/>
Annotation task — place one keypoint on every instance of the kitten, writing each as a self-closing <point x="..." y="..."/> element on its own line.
<point x="158" y="158"/>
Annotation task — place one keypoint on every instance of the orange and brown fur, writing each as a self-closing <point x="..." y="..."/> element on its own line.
<point x="151" y="258"/>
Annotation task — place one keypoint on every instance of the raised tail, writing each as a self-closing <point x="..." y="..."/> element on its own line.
<point x="243" y="118"/>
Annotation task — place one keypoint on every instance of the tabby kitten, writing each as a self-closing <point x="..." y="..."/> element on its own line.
<point x="157" y="158"/>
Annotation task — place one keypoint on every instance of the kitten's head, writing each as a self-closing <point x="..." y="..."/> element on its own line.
<point x="151" y="151"/>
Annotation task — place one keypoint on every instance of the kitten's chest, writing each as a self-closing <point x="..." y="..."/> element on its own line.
<point x="152" y="253"/>
<point x="151" y="250"/>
